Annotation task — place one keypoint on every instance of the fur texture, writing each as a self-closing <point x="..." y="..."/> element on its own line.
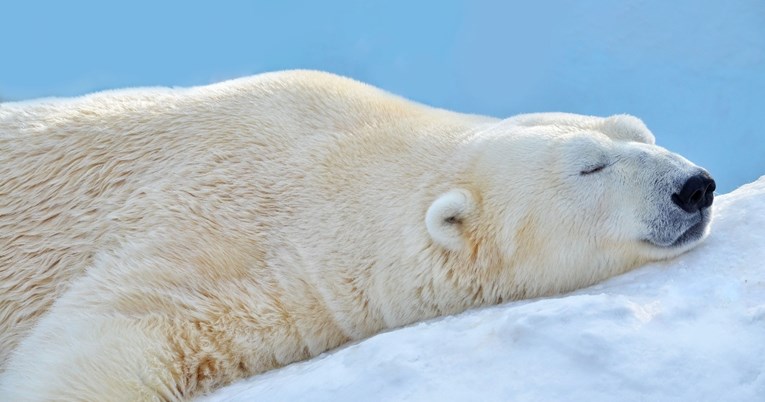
<point x="160" y="243"/>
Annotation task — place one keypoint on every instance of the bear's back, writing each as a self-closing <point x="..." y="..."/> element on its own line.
<point x="82" y="175"/>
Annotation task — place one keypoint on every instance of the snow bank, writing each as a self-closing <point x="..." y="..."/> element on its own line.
<point x="692" y="329"/>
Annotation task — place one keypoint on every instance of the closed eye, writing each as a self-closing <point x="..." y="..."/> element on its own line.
<point x="594" y="169"/>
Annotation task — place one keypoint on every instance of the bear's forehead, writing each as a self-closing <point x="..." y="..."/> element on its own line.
<point x="617" y="128"/>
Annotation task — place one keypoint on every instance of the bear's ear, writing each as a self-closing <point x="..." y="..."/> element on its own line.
<point x="623" y="127"/>
<point x="447" y="216"/>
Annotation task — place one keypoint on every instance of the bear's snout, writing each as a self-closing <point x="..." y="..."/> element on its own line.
<point x="697" y="193"/>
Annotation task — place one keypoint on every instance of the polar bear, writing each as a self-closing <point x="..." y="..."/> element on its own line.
<point x="160" y="243"/>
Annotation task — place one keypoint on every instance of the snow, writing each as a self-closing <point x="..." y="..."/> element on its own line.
<point x="691" y="329"/>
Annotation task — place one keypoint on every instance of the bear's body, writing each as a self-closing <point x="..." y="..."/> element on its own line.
<point x="160" y="243"/>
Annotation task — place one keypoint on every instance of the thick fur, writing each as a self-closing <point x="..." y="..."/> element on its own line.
<point x="160" y="243"/>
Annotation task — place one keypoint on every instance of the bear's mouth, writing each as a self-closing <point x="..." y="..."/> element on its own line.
<point x="694" y="233"/>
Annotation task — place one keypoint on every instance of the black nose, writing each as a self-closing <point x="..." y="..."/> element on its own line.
<point x="697" y="193"/>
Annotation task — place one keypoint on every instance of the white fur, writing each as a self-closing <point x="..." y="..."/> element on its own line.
<point x="158" y="243"/>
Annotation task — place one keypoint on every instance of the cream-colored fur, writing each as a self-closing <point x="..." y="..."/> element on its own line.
<point x="160" y="243"/>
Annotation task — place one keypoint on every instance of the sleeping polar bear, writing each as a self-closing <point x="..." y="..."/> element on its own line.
<point x="160" y="243"/>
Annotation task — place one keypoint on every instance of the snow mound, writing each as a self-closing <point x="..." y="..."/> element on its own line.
<point x="691" y="329"/>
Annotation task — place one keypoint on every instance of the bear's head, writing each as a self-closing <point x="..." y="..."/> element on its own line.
<point x="554" y="202"/>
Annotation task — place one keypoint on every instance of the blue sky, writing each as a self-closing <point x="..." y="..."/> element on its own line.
<point x="693" y="70"/>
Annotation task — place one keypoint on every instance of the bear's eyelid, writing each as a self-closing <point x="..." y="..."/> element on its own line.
<point x="595" y="169"/>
